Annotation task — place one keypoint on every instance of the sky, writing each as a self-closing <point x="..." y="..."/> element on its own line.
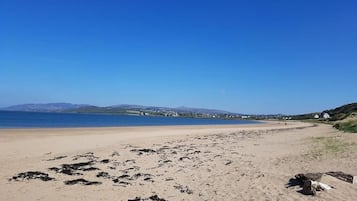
<point x="254" y="57"/>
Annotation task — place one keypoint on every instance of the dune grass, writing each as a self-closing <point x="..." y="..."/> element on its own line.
<point x="333" y="146"/>
<point x="347" y="126"/>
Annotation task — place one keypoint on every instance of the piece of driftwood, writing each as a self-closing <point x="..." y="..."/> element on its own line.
<point x="342" y="176"/>
<point x="321" y="186"/>
<point x="308" y="176"/>
<point x="310" y="183"/>
<point x="317" y="176"/>
<point x="308" y="188"/>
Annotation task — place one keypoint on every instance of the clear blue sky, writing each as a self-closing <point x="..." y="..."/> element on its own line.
<point x="243" y="56"/>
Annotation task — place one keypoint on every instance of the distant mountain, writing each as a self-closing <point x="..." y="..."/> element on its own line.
<point x="128" y="106"/>
<point x="201" y="110"/>
<point x="177" y="109"/>
<point x="47" y="107"/>
<point x="114" y="109"/>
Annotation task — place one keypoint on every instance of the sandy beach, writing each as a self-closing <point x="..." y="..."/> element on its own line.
<point x="226" y="162"/>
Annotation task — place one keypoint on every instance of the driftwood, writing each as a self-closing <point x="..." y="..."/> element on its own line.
<point x="310" y="183"/>
<point x="321" y="186"/>
<point x="341" y="176"/>
<point x="317" y="176"/>
<point x="308" y="176"/>
<point x="308" y="188"/>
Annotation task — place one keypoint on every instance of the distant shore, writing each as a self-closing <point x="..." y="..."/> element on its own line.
<point x="11" y="119"/>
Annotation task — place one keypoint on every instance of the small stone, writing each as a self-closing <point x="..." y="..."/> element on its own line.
<point x="115" y="153"/>
<point x="105" y="161"/>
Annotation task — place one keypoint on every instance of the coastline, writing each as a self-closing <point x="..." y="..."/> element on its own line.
<point x="99" y="128"/>
<point x="28" y="120"/>
<point x="55" y="139"/>
<point x="214" y="162"/>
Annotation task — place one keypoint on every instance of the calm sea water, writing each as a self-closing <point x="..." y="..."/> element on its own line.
<point x="61" y="120"/>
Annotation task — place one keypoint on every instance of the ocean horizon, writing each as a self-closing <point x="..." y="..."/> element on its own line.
<point x="17" y="119"/>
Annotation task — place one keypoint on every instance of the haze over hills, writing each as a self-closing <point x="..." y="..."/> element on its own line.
<point x="176" y="109"/>
<point x="45" y="107"/>
<point x="336" y="114"/>
<point x="123" y="108"/>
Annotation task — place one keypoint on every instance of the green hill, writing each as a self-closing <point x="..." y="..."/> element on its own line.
<point x="342" y="112"/>
<point x="336" y="114"/>
<point x="349" y="124"/>
<point x="343" y="118"/>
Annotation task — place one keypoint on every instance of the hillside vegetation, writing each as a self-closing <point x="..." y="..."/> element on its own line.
<point x="342" y="112"/>
<point x="348" y="124"/>
<point x="343" y="118"/>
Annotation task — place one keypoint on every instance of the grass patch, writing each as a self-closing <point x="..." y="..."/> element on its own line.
<point x="334" y="145"/>
<point x="330" y="146"/>
<point x="347" y="126"/>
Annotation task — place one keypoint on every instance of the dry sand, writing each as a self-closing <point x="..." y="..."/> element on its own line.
<point x="231" y="162"/>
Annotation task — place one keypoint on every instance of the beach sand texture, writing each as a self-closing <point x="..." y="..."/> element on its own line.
<point x="230" y="162"/>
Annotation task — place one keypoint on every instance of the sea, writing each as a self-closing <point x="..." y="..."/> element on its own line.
<point x="11" y="119"/>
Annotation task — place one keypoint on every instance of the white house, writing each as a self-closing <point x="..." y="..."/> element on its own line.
<point x="325" y="115"/>
<point x="316" y="116"/>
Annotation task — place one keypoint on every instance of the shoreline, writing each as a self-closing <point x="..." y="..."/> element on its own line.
<point x="53" y="120"/>
<point x="256" y="122"/>
<point x="27" y="142"/>
<point x="125" y="130"/>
